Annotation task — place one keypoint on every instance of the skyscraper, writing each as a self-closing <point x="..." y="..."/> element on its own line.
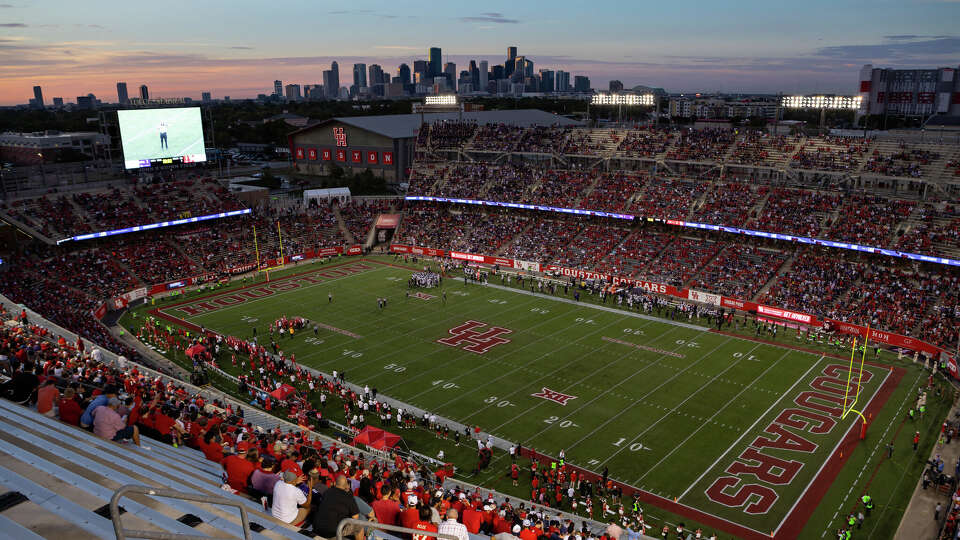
<point x="563" y="81"/>
<point x="144" y="93"/>
<point x="122" y="97"/>
<point x="404" y="73"/>
<point x="450" y="72"/>
<point x="581" y="84"/>
<point x="434" y="69"/>
<point x="58" y="102"/>
<point x="205" y="97"/>
<point x="484" y="74"/>
<point x="38" y="95"/>
<point x="332" y="86"/>
<point x="546" y="80"/>
<point x="421" y="71"/>
<point x="360" y="76"/>
<point x="293" y="92"/>
<point x="278" y="88"/>
<point x="376" y="75"/>
<point x="616" y="86"/>
<point x="510" y="63"/>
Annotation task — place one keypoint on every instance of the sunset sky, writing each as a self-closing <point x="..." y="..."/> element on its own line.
<point x="238" y="48"/>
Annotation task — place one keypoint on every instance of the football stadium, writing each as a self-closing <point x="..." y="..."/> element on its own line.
<point x="654" y="331"/>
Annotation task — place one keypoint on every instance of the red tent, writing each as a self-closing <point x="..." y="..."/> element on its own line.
<point x="283" y="392"/>
<point x="376" y="438"/>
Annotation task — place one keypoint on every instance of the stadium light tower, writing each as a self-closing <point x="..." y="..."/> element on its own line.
<point x="439" y="103"/>
<point x="625" y="100"/>
<point x="822" y="103"/>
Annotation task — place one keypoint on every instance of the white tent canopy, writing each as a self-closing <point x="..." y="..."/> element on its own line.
<point x="341" y="194"/>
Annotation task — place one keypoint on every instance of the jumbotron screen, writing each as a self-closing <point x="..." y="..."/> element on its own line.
<point x="153" y="137"/>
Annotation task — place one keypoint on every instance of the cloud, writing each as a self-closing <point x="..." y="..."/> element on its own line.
<point x="12" y="25"/>
<point x="350" y="12"/>
<point x="5" y="6"/>
<point x="79" y="25"/>
<point x="900" y="49"/>
<point x="490" y="17"/>
<point x="242" y="48"/>
<point x="911" y="37"/>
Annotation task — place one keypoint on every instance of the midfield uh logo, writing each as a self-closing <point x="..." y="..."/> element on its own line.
<point x="554" y="396"/>
<point x="473" y="340"/>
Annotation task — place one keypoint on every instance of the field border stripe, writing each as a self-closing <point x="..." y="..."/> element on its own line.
<point x="816" y="490"/>
<point x="750" y="429"/>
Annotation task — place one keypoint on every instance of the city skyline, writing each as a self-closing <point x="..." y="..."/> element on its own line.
<point x="730" y="47"/>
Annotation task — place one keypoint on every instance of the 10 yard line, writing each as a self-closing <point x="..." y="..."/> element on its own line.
<point x="749" y="429"/>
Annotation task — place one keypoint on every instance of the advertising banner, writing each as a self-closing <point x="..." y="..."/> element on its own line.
<point x="529" y="266"/>
<point x="704" y="297"/>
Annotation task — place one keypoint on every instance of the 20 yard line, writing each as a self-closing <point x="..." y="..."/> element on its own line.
<point x="750" y="429"/>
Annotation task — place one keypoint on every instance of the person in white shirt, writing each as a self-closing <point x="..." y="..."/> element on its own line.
<point x="290" y="505"/>
<point x="452" y="527"/>
<point x="162" y="128"/>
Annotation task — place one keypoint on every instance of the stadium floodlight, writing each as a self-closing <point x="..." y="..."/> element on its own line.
<point x="821" y="102"/>
<point x="444" y="100"/>
<point x="623" y="99"/>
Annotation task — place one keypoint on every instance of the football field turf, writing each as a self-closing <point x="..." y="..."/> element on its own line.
<point x="709" y="425"/>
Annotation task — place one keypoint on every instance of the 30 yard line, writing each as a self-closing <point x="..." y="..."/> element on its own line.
<point x="749" y="429"/>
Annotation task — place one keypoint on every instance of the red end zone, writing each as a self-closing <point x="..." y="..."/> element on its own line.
<point x="794" y="522"/>
<point x="217" y="300"/>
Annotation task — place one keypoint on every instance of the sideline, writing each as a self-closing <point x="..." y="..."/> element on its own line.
<point x="599" y="308"/>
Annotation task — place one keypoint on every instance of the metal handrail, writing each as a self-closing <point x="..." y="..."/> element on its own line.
<point x="384" y="527"/>
<point x="122" y="533"/>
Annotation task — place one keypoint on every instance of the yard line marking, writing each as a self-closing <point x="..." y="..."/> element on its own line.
<point x="730" y="402"/>
<point x="526" y="387"/>
<point x="625" y="380"/>
<point x="603" y="308"/>
<point x="494" y="357"/>
<point x="675" y="407"/>
<point x="414" y="343"/>
<point x="568" y="388"/>
<point x="749" y="429"/>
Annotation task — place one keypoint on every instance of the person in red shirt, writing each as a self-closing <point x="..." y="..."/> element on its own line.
<point x="424" y="524"/>
<point x="385" y="508"/>
<point x="410" y="515"/>
<point x="472" y="519"/>
<point x="212" y="446"/>
<point x="514" y="473"/>
<point x="239" y="469"/>
<point x="70" y="410"/>
<point x="528" y="532"/>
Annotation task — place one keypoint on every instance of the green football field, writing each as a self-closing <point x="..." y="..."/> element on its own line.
<point x="717" y="428"/>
